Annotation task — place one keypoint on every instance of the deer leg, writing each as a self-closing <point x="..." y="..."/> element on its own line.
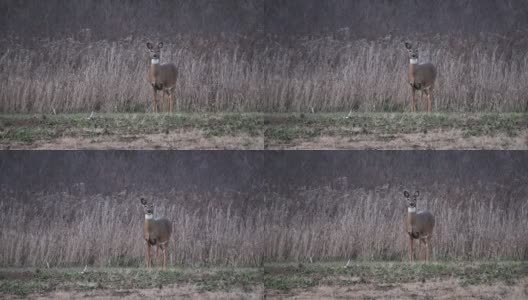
<point x="426" y="246"/>
<point x="171" y="99"/>
<point x="429" y="100"/>
<point x="163" y="100"/>
<point x="413" y="107"/>
<point x="422" y="254"/>
<point x="168" y="100"/>
<point x="148" y="255"/>
<point x="155" y="108"/>
<point x="428" y="249"/>
<point x="162" y="253"/>
<point x="419" y="255"/>
<point x="411" y="243"/>
<point x="164" y="258"/>
<point x="421" y="97"/>
<point x="157" y="255"/>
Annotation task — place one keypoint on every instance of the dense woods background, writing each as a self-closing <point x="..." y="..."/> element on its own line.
<point x="107" y="172"/>
<point x="246" y="208"/>
<point x="267" y="56"/>
<point x="363" y="18"/>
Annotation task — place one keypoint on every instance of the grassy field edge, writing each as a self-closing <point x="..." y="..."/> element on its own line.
<point x="277" y="277"/>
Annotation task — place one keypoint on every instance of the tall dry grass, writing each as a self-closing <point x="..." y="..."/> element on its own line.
<point x="365" y="224"/>
<point x="66" y="229"/>
<point x="234" y="73"/>
<point x="247" y="229"/>
<point x="68" y="76"/>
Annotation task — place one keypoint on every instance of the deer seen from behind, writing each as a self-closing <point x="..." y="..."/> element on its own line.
<point x="422" y="77"/>
<point x="162" y="77"/>
<point x="418" y="225"/>
<point x="157" y="232"/>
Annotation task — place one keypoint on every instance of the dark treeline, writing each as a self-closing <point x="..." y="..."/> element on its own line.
<point x="115" y="171"/>
<point x="361" y="18"/>
<point x="262" y="172"/>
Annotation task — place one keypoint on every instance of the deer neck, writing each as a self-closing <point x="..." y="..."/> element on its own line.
<point x="413" y="64"/>
<point x="154" y="71"/>
<point x="149" y="221"/>
<point x="411" y="215"/>
<point x="154" y="65"/>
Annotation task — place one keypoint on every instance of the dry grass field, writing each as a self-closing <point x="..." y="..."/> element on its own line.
<point x="132" y="283"/>
<point x="397" y="131"/>
<point x="234" y="73"/>
<point x="241" y="229"/>
<point x="507" y="131"/>
<point x="327" y="280"/>
<point x="132" y="131"/>
<point x="281" y="244"/>
<point x="306" y="84"/>
<point x="262" y="75"/>
<point x="397" y="280"/>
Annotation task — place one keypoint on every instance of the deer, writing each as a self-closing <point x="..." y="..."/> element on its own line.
<point x="157" y="232"/>
<point x="162" y="77"/>
<point x="418" y="225"/>
<point x="421" y="77"/>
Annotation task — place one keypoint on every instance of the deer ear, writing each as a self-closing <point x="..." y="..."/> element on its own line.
<point x="143" y="201"/>
<point x="406" y="194"/>
<point x="160" y="45"/>
<point x="417" y="193"/>
<point x="150" y="46"/>
<point x="408" y="45"/>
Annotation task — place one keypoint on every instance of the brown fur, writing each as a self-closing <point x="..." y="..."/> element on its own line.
<point x="162" y="77"/>
<point x="156" y="232"/>
<point x="419" y="226"/>
<point x="422" y="78"/>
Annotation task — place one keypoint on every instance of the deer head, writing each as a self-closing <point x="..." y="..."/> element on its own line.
<point x="155" y="52"/>
<point x="413" y="52"/>
<point x="418" y="225"/>
<point x="411" y="205"/>
<point x="148" y="209"/>
<point x="156" y="232"/>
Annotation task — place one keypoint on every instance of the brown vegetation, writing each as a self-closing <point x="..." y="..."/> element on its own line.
<point x="329" y="73"/>
<point x="62" y="229"/>
<point x="370" y="225"/>
<point x="248" y="229"/>
<point x="60" y="56"/>
<point x="364" y="18"/>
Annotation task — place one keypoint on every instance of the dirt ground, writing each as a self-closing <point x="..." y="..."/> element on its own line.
<point x="437" y="140"/>
<point x="442" y="289"/>
<point x="194" y="140"/>
<point x="131" y="131"/>
<point x="184" y="140"/>
<point x="320" y="280"/>
<point x="170" y="292"/>
<point x="255" y="131"/>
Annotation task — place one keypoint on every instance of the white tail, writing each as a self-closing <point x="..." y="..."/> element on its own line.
<point x="422" y="77"/>
<point x="418" y="225"/>
<point x="162" y="77"/>
<point x="157" y="232"/>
